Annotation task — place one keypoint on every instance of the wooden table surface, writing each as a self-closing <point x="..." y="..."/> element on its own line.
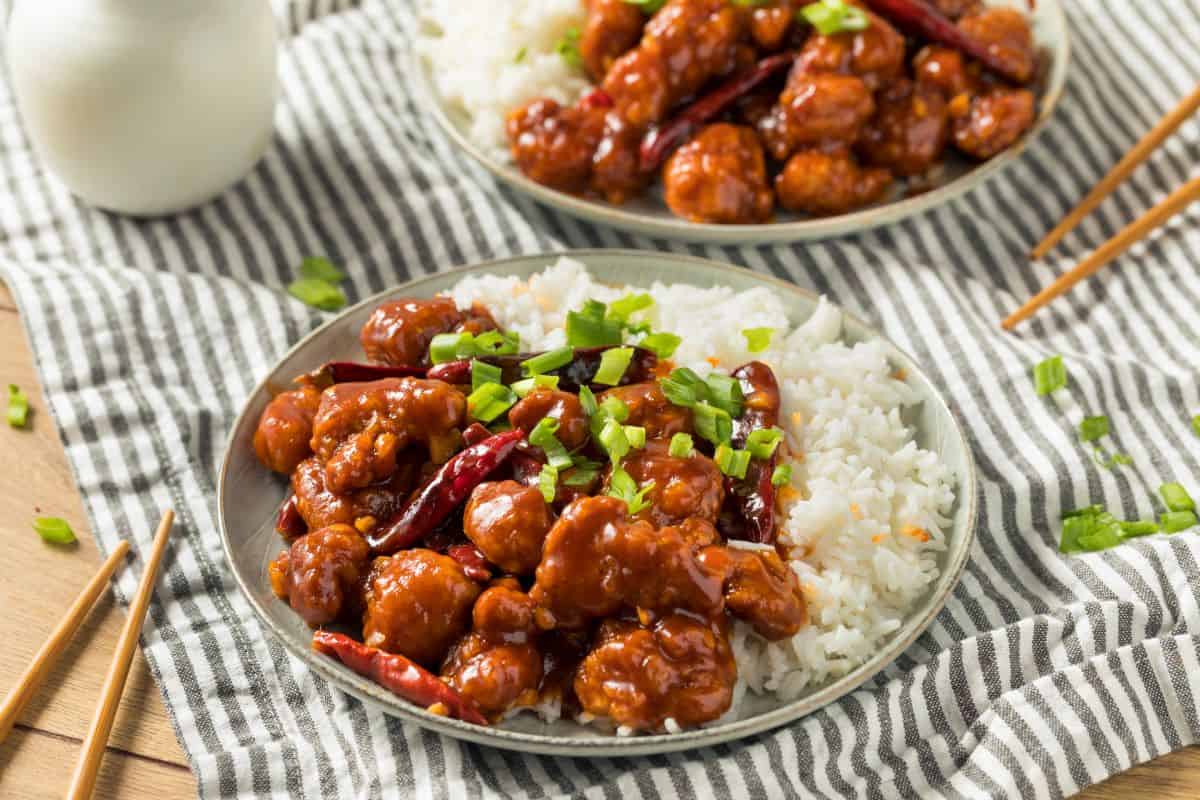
<point x="38" y="581"/>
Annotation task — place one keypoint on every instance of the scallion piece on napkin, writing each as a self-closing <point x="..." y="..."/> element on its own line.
<point x="317" y="284"/>
<point x="18" y="406"/>
<point x="54" y="530"/>
<point x="1093" y="428"/>
<point x="1176" y="497"/>
<point x="1050" y="375"/>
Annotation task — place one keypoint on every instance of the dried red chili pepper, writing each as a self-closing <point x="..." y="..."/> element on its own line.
<point x="660" y="141"/>
<point x="474" y="434"/>
<point x="578" y="372"/>
<point x="596" y="98"/>
<point x="443" y="492"/>
<point x="750" y="501"/>
<point x="473" y="562"/>
<point x="397" y="674"/>
<point x="332" y="372"/>
<point x="920" y="18"/>
<point x="288" y="523"/>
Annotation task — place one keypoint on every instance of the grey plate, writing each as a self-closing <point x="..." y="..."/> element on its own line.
<point x="650" y="216"/>
<point x="248" y="496"/>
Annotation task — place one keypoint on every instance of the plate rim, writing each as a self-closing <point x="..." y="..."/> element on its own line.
<point x="344" y="679"/>
<point x="813" y="228"/>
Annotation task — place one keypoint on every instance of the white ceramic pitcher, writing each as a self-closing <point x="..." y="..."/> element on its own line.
<point x="145" y="106"/>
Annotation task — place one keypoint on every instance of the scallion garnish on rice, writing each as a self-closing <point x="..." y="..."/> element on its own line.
<point x="758" y="339"/>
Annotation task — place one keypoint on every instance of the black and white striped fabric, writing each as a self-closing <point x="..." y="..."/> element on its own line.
<point x="1044" y="673"/>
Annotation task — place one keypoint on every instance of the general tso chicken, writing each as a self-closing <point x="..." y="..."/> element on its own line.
<point x="483" y="530"/>
<point x="742" y="106"/>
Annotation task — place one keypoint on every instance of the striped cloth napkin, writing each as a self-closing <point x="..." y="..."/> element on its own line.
<point x="1045" y="673"/>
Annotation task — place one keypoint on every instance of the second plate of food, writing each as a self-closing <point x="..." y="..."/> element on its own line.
<point x="709" y="120"/>
<point x="604" y="503"/>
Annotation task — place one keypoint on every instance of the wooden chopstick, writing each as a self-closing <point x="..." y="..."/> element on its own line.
<point x="84" y="779"/>
<point x="43" y="661"/>
<point x="1175" y="202"/>
<point x="1165" y="127"/>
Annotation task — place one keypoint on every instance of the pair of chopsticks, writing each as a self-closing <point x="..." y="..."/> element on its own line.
<point x="1175" y="202"/>
<point x="88" y="767"/>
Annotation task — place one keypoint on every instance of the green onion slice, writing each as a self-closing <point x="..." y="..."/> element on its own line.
<point x="520" y="56"/>
<point x="482" y="372"/>
<point x="621" y="484"/>
<point x="496" y="343"/>
<point x="1176" y="497"/>
<point x="1110" y="461"/>
<point x="635" y="435"/>
<point x="713" y="424"/>
<point x="834" y="16"/>
<point x="613" y="440"/>
<point x="490" y="401"/>
<point x="758" y="339"/>
<point x="684" y="387"/>
<point x="320" y="268"/>
<point x="1139" y="528"/>
<point x="1050" y="375"/>
<point x="524" y="387"/>
<point x="568" y="48"/>
<point x="317" y="293"/>
<point x="1093" y="428"/>
<point x="1176" y="521"/>
<point x="18" y="406"/>
<point x="725" y="392"/>
<point x="762" y="443"/>
<point x="1196" y="424"/>
<point x="548" y="482"/>
<point x="661" y="344"/>
<point x="648" y="7"/>
<point x="586" y="330"/>
<point x="613" y="364"/>
<point x="543" y="436"/>
<point x="681" y="446"/>
<point x="593" y="309"/>
<point x="583" y="473"/>
<point x="53" y="530"/>
<point x="615" y="408"/>
<point x="782" y="475"/>
<point x="588" y="400"/>
<point x="445" y="347"/>
<point x="621" y="310"/>
<point x="733" y="463"/>
<point x="550" y="360"/>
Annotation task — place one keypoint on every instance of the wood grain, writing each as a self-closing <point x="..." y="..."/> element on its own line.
<point x="143" y="759"/>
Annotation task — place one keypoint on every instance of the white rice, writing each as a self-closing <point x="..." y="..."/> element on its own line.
<point x="866" y="519"/>
<point x="488" y="57"/>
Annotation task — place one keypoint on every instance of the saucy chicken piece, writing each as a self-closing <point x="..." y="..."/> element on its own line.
<point x="874" y="54"/>
<point x="594" y="561"/>
<point x="770" y="24"/>
<point x="616" y="169"/>
<point x="613" y="27"/>
<point x="683" y="487"/>
<point x="649" y="408"/>
<point x="1006" y="34"/>
<point x="994" y="121"/>
<point x="361" y="429"/>
<point x="637" y="83"/>
<point x="760" y="589"/>
<point x="719" y="176"/>
<point x="909" y="130"/>
<point x="681" y="668"/>
<point x="362" y="509"/>
<point x="816" y="182"/>
<point x="399" y="332"/>
<point x="955" y="8"/>
<point x="281" y="440"/>
<point x="476" y="321"/>
<point x="321" y="575"/>
<point x="815" y="109"/>
<point x="554" y="145"/>
<point x="508" y="523"/>
<point x="418" y="603"/>
<point x="562" y="406"/>
<point x="944" y="69"/>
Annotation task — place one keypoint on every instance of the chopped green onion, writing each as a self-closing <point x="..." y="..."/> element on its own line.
<point x="661" y="344"/>
<point x="1176" y="521"/>
<point x="615" y="408"/>
<point x="1196" y="424"/>
<point x="520" y="56"/>
<point x="586" y="330"/>
<point x="524" y="387"/>
<point x="612" y="439"/>
<point x="320" y="269"/>
<point x="543" y="436"/>
<point x="18" y="406"/>
<point x="758" y="339"/>
<point x="762" y="443"/>
<point x="548" y="482"/>
<point x="635" y="435"/>
<point x="782" y="475"/>
<point x="53" y="530"/>
<point x="550" y="360"/>
<point x="317" y="293"/>
<point x="681" y="446"/>
<point x="1050" y="375"/>
<point x="483" y="372"/>
<point x="622" y="309"/>
<point x="638" y="328"/>
<point x="583" y="473"/>
<point x="568" y="48"/>
<point x="834" y="16"/>
<point x="725" y="392"/>
<point x="588" y="400"/>
<point x="496" y="343"/>
<point x="713" y="424"/>
<point x="1087" y="529"/>
<point x="648" y="7"/>
<point x="593" y="309"/>
<point x="1138" y="528"/>
<point x="622" y="485"/>
<point x="733" y="463"/>
<point x="684" y="387"/>
<point x="613" y="364"/>
<point x="490" y="401"/>
<point x="445" y="346"/>
<point x="1176" y="497"/>
<point x="1107" y="461"/>
<point x="1093" y="428"/>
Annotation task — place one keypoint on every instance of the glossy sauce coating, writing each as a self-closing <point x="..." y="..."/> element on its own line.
<point x="994" y="121"/>
<point x="1006" y="33"/>
<point x="816" y="109"/>
<point x="613" y="27"/>
<point x="281" y="440"/>
<point x="508" y="523"/>
<point x="362" y="508"/>
<point x="760" y="589"/>
<point x="683" y="487"/>
<point x="418" y="603"/>
<point x="562" y="406"/>
<point x="770" y="23"/>
<point x="874" y="54"/>
<point x="361" y="429"/>
<point x="321" y="575"/>
<point x="554" y="145"/>
<point x="680" y="668"/>
<point x="817" y="182"/>
<point x="649" y="408"/>
<point x="399" y="332"/>
<point x="719" y="176"/>
<point x="909" y="130"/>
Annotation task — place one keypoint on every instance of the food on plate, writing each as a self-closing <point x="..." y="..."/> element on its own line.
<point x="622" y="506"/>
<point x="736" y="107"/>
